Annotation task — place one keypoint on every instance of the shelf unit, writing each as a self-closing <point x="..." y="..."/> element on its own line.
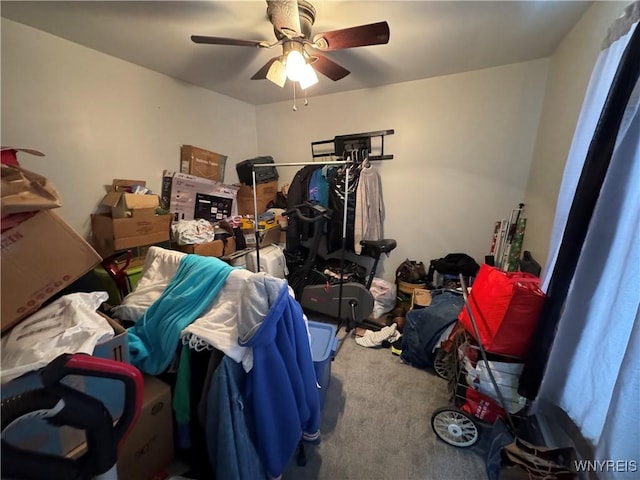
<point x="356" y="141"/>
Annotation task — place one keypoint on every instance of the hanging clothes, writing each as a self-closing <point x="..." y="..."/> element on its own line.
<point x="369" y="209"/>
<point x="319" y="187"/>
<point x="337" y="204"/>
<point x="298" y="193"/>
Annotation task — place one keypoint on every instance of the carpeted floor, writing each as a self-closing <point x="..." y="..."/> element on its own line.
<point x="377" y="424"/>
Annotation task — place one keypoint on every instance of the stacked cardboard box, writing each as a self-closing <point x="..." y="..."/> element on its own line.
<point x="202" y="163"/>
<point x="132" y="221"/>
<point x="41" y="253"/>
<point x="148" y="449"/>
<point x="216" y="248"/>
<point x="265" y="193"/>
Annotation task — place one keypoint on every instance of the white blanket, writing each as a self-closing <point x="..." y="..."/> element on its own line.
<point x="217" y="327"/>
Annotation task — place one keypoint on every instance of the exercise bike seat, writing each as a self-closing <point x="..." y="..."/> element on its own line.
<point x="375" y="248"/>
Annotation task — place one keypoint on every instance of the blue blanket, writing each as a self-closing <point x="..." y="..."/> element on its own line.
<point x="154" y="338"/>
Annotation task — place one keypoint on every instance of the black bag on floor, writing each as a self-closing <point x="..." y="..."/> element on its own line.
<point x="454" y="264"/>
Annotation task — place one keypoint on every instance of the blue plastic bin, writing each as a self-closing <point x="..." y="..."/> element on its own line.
<point x="323" y="348"/>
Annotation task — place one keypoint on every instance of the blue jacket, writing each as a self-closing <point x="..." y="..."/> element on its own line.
<point x="231" y="450"/>
<point x="281" y="389"/>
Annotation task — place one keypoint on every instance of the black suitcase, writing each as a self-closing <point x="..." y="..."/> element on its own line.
<point x="263" y="174"/>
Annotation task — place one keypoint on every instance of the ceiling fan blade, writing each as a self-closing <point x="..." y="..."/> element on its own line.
<point x="329" y="68"/>
<point x="285" y="17"/>
<point x="225" y="41"/>
<point x="362" y="36"/>
<point x="262" y="73"/>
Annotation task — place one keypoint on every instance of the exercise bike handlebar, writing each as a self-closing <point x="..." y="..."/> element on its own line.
<point x="323" y="213"/>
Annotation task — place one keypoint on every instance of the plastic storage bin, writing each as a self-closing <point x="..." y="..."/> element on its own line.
<point x="323" y="348"/>
<point x="272" y="261"/>
<point x="133" y="275"/>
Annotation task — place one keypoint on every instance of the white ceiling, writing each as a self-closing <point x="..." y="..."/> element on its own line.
<point x="428" y="38"/>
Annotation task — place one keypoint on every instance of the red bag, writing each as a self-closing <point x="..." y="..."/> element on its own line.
<point x="506" y="307"/>
<point x="481" y="406"/>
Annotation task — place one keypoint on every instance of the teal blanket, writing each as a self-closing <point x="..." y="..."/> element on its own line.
<point x="154" y="338"/>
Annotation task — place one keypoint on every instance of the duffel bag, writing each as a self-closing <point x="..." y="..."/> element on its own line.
<point x="506" y="307"/>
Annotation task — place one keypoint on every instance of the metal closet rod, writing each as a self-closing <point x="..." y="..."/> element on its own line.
<point x="298" y="164"/>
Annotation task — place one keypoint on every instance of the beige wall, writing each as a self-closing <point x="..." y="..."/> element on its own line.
<point x="97" y="118"/>
<point x="467" y="147"/>
<point x="462" y="149"/>
<point x="569" y="73"/>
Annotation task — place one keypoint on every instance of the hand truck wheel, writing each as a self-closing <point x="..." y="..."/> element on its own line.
<point x="441" y="364"/>
<point x="455" y="427"/>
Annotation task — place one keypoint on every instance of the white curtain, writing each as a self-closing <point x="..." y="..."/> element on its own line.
<point x="593" y="371"/>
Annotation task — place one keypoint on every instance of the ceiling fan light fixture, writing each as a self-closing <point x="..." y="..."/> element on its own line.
<point x="277" y="73"/>
<point x="294" y="64"/>
<point x="308" y="77"/>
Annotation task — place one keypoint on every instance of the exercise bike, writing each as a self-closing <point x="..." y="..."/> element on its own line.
<point x="346" y="301"/>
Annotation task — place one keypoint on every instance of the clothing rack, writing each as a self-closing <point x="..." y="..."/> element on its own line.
<point x="301" y="164"/>
<point x="350" y="153"/>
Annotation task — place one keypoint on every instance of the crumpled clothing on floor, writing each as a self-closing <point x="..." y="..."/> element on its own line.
<point x="375" y="339"/>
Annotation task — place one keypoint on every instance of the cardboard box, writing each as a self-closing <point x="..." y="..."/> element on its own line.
<point x="266" y="237"/>
<point x="420" y="298"/>
<point x="265" y="193"/>
<point x="36" y="434"/>
<point x="149" y="447"/>
<point x="23" y="191"/>
<point x="202" y="163"/>
<point x="189" y="197"/>
<point x="209" y="249"/>
<point x="124" y="204"/>
<point x="40" y="257"/>
<point x="143" y="228"/>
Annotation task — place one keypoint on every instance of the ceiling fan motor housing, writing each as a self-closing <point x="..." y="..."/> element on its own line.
<point x="285" y="20"/>
<point x="307" y="17"/>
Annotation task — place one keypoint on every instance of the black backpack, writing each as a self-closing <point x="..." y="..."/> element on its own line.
<point x="454" y="264"/>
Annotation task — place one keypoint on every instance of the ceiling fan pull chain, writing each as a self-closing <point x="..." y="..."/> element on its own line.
<point x="294" y="97"/>
<point x="306" y="102"/>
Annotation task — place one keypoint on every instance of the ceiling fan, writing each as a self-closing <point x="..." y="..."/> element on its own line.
<point x="292" y="21"/>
